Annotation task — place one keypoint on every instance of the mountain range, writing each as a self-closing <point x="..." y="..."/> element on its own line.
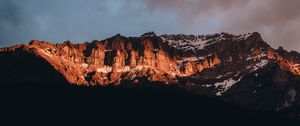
<point x="240" y="69"/>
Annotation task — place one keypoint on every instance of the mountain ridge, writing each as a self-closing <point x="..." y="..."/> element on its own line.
<point x="151" y="44"/>
<point x="239" y="68"/>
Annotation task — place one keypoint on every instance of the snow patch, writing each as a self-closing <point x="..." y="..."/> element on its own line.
<point x="249" y="58"/>
<point x="220" y="76"/>
<point x="124" y="69"/>
<point x="209" y="55"/>
<point x="140" y="68"/>
<point x="295" y="65"/>
<point x="105" y="69"/>
<point x="189" y="59"/>
<point x="225" y="85"/>
<point x="207" y="85"/>
<point x="46" y="52"/>
<point x="260" y="64"/>
<point x="244" y="36"/>
<point x="258" y="57"/>
<point x="84" y="65"/>
<point x="107" y="50"/>
<point x="186" y="43"/>
<point x="155" y="50"/>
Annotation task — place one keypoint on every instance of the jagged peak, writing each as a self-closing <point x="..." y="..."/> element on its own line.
<point x="254" y="35"/>
<point x="38" y="42"/>
<point x="117" y="36"/>
<point x="67" y="42"/>
<point x="149" y="34"/>
<point x="12" y="48"/>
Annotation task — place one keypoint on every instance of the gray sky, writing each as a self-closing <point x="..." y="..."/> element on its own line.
<point x="86" y="20"/>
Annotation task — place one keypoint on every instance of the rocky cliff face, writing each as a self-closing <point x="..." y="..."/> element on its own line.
<point x="239" y="68"/>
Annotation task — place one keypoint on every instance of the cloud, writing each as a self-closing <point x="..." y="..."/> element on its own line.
<point x="189" y="10"/>
<point x="276" y="20"/>
<point x="77" y="20"/>
<point x="81" y="20"/>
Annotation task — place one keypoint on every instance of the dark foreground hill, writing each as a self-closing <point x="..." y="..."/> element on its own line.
<point x="162" y="105"/>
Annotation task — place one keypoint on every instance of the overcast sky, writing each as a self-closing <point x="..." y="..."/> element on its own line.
<point x="84" y="20"/>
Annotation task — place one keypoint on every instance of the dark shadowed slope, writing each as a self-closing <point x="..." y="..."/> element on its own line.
<point x="21" y="67"/>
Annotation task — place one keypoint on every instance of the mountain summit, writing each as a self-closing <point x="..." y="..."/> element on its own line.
<point x="239" y="68"/>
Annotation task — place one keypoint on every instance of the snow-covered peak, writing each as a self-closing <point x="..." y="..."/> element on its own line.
<point x="197" y="42"/>
<point x="185" y="42"/>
